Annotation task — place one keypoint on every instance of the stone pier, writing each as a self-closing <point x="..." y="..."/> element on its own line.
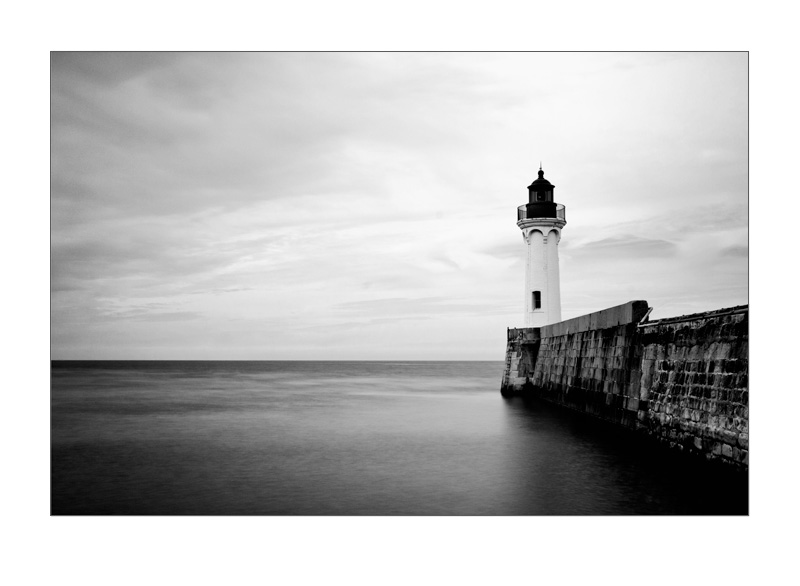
<point x="682" y="381"/>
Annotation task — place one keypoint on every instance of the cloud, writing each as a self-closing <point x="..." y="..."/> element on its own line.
<point x="427" y="307"/>
<point x="168" y="316"/>
<point x="736" y="251"/>
<point x="254" y="196"/>
<point x="627" y="246"/>
<point x="512" y="250"/>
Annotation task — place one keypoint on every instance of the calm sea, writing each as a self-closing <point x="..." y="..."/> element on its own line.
<point x="348" y="438"/>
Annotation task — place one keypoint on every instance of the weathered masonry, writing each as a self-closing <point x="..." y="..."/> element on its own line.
<point x="682" y="380"/>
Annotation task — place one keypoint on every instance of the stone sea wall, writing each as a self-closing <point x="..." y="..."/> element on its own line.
<point x="682" y="381"/>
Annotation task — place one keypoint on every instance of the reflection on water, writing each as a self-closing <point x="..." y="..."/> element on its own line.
<point x="347" y="438"/>
<point x="582" y="466"/>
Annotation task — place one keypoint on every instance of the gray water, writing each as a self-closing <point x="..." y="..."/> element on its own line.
<point x="348" y="438"/>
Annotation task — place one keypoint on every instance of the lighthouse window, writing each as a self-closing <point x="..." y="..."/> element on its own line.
<point x="539" y="196"/>
<point x="537" y="299"/>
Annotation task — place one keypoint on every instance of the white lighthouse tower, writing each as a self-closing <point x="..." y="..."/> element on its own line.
<point x="541" y="221"/>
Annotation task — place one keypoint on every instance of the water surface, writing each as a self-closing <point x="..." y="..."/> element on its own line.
<point x="348" y="438"/>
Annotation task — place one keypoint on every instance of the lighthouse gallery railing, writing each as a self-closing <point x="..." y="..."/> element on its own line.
<point x="522" y="213"/>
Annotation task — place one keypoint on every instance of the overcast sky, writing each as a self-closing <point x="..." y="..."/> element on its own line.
<point x="363" y="206"/>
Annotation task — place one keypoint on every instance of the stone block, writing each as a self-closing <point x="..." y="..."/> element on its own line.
<point x="717" y="433"/>
<point x="730" y="437"/>
<point x="743" y="440"/>
<point x="727" y="451"/>
<point x="722" y="352"/>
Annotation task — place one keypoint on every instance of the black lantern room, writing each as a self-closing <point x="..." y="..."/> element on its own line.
<point x="540" y="199"/>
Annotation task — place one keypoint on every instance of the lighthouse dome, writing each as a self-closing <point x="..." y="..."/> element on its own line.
<point x="541" y="190"/>
<point x="541" y="181"/>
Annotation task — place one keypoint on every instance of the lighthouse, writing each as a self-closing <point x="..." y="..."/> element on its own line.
<point x="541" y="221"/>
